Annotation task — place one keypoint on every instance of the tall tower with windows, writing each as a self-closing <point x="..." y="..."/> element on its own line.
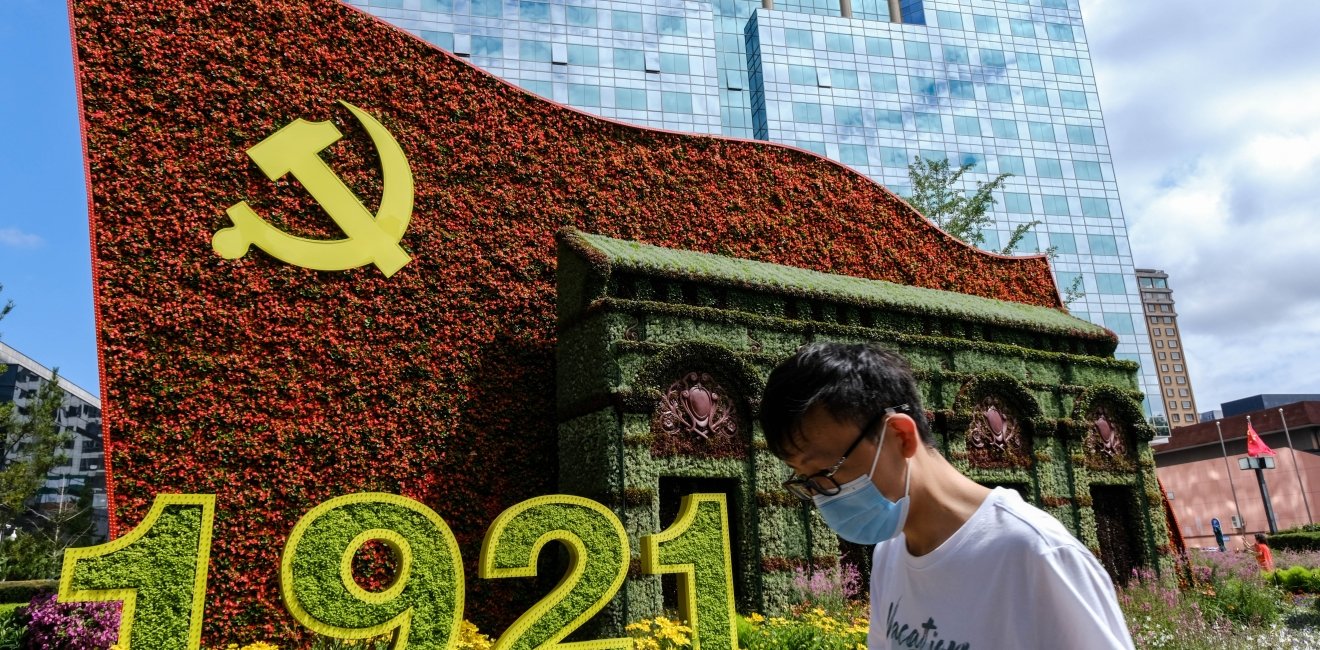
<point x="1166" y="343"/>
<point x="1004" y="86"/>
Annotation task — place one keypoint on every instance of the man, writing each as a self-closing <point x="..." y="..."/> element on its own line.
<point x="956" y="565"/>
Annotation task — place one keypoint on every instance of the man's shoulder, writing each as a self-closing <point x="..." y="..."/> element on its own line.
<point x="1012" y="520"/>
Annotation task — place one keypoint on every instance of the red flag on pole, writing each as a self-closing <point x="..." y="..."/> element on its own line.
<point x="1255" y="446"/>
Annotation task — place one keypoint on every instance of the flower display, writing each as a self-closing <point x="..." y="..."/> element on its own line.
<point x="276" y="387"/>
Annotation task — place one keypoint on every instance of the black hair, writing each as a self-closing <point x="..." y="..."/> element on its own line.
<point x="855" y="383"/>
<point x="1260" y="538"/>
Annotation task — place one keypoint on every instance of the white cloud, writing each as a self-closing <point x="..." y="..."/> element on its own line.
<point x="15" y="238"/>
<point x="1213" y="116"/>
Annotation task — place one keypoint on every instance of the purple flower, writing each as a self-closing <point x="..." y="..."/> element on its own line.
<point x="52" y="625"/>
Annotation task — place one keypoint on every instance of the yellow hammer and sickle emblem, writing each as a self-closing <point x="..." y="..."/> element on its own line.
<point x="370" y="240"/>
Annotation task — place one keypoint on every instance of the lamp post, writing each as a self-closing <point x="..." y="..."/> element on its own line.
<point x="1293" y="451"/>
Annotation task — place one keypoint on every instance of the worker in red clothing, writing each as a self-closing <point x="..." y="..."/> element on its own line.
<point x="1263" y="556"/>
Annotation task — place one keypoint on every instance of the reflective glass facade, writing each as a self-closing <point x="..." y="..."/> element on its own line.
<point x="1003" y="85"/>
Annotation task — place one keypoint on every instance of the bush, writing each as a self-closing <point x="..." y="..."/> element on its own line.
<point x="1244" y="602"/>
<point x="22" y="591"/>
<point x="11" y="630"/>
<point x="830" y="589"/>
<point x="53" y="625"/>
<point x="1299" y="541"/>
<point x="1296" y="579"/>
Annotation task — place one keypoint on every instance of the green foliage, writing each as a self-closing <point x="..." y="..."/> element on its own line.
<point x="31" y="445"/>
<point x="1243" y="601"/>
<point x="813" y="629"/>
<point x="514" y="544"/>
<point x="21" y="591"/>
<point x="1296" y="579"/>
<point x="1300" y="541"/>
<point x="432" y="590"/>
<point x="629" y="257"/>
<point x="161" y="566"/>
<point x="936" y="194"/>
<point x="11" y="631"/>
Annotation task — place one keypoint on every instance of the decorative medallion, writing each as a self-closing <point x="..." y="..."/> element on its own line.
<point x="697" y="405"/>
<point x="1105" y="438"/>
<point x="995" y="430"/>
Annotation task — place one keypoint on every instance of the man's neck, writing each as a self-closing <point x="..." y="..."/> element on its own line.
<point x="942" y="501"/>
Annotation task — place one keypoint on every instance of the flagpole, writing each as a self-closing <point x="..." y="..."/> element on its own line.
<point x="1257" y="463"/>
<point x="1229" y="469"/>
<point x="1300" y="486"/>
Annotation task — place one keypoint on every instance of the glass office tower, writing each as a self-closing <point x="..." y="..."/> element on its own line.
<point x="1002" y="85"/>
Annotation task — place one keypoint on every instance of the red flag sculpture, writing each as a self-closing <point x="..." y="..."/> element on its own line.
<point x="1255" y="446"/>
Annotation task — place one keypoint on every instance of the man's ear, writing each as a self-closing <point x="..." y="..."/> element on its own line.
<point x="906" y="428"/>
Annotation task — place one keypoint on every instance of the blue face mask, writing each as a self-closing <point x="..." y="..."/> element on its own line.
<point x="859" y="513"/>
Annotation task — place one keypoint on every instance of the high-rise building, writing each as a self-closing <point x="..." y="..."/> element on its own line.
<point x="1166" y="343"/>
<point x="1005" y="86"/>
<point x="79" y="416"/>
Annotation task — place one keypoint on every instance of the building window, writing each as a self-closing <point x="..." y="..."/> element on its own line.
<point x="534" y="51"/>
<point x="1175" y="417"/>
<point x="848" y="115"/>
<point x="1093" y="206"/>
<point x="1168" y="392"/>
<point x="889" y="119"/>
<point x="853" y="154"/>
<point x="487" y="46"/>
<point x="882" y="47"/>
<point x="1055" y="204"/>
<point x="1041" y="131"/>
<point x="1186" y="404"/>
<point x="1017" y="203"/>
<point x="805" y="112"/>
<point x="493" y="8"/>
<point x="999" y="93"/>
<point x="965" y="125"/>
<point x="1161" y="356"/>
<point x="676" y="102"/>
<point x="672" y="25"/>
<point x="985" y="24"/>
<point x="798" y="38"/>
<point x="1080" y="134"/>
<point x="583" y="95"/>
<point x="841" y="43"/>
<point x="993" y="58"/>
<point x="883" y="82"/>
<point x="1048" y="168"/>
<point x="581" y="16"/>
<point x="923" y="86"/>
<point x="537" y="12"/>
<point x="1103" y="244"/>
<point x="1064" y="243"/>
<point x="630" y="99"/>
<point x="1012" y="165"/>
<point x="962" y="90"/>
<point x="929" y="123"/>
<point x="1176" y="356"/>
<point x="1073" y="99"/>
<point x="1022" y="28"/>
<point x="1182" y="380"/>
<point x="583" y="55"/>
<point x="1182" y="392"/>
<point x="1087" y="170"/>
<point x="1058" y="32"/>
<point x="956" y="54"/>
<point x="1168" y="380"/>
<point x="625" y="59"/>
<point x="674" y="63"/>
<point x="625" y="21"/>
<point x="1164" y="367"/>
<point x="1067" y="65"/>
<point x="1159" y="343"/>
<point x="1173" y="343"/>
<point x="1118" y="322"/>
<point x="1006" y="129"/>
<point x="1029" y="62"/>
<point x="1035" y="96"/>
<point x="846" y="79"/>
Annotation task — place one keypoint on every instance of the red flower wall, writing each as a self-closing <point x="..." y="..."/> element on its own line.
<point x="276" y="387"/>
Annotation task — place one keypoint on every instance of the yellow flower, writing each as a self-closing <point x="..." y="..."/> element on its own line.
<point x="755" y="618"/>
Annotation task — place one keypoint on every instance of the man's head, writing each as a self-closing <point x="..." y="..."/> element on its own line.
<point x="853" y="383"/>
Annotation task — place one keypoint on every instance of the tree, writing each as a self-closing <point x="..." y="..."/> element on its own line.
<point x="937" y="194"/>
<point x="31" y="445"/>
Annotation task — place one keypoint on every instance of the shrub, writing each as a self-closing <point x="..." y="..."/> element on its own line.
<point x="1296" y="579"/>
<point x="53" y="625"/>
<point x="11" y="630"/>
<point x="1243" y="601"/>
<point x="1300" y="541"/>
<point x="22" y="591"/>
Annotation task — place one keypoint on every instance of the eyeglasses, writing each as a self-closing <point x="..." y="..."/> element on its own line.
<point x="822" y="482"/>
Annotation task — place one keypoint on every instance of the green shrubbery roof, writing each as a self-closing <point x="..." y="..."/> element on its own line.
<point x="632" y="257"/>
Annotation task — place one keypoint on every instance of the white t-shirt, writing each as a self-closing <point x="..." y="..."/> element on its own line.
<point x="1012" y="577"/>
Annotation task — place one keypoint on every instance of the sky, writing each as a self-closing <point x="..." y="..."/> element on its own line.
<point x="1212" y="110"/>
